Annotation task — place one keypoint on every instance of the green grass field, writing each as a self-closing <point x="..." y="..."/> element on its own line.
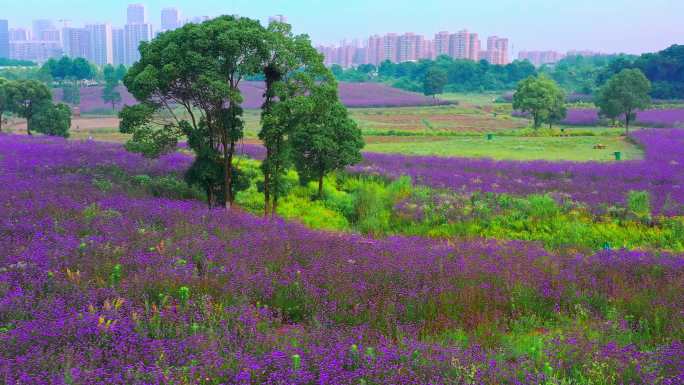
<point x="577" y="148"/>
<point x="455" y="130"/>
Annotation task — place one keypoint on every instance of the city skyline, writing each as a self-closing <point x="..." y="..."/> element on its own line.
<point x="632" y="32"/>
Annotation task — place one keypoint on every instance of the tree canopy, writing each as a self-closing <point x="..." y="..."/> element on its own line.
<point x="26" y="98"/>
<point x="434" y="81"/>
<point x="53" y="119"/>
<point x="623" y="95"/>
<point x="542" y="98"/>
<point x="187" y="81"/>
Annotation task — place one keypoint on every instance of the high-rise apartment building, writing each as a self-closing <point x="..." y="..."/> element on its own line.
<point x="474" y="49"/>
<point x="4" y="39"/>
<point x="136" y="14"/>
<point x="442" y="40"/>
<point x="539" y="58"/>
<point x="170" y="19"/>
<point x="101" y="49"/>
<point x="134" y="34"/>
<point x="459" y="45"/>
<point x="409" y="46"/>
<point x="37" y="51"/>
<point x="278" y="19"/>
<point x="390" y="47"/>
<point x="374" y="48"/>
<point x="19" y="34"/>
<point x="497" y="50"/>
<point x="44" y="29"/>
<point x="118" y="47"/>
<point x="76" y="42"/>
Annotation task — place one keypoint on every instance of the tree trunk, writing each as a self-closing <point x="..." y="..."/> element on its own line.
<point x="210" y="195"/>
<point x="228" y="164"/>
<point x="0" y="120"/>
<point x="320" y="186"/>
<point x="28" y="126"/>
<point x="267" y="188"/>
<point x="231" y="193"/>
<point x="627" y="123"/>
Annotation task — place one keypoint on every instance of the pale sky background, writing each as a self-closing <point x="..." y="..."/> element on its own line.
<point x="631" y="26"/>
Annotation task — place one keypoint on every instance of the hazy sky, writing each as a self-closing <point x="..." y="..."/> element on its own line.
<point x="631" y="26"/>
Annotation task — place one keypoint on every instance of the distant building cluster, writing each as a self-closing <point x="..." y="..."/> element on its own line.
<point x="540" y="58"/>
<point x="100" y="43"/>
<point x="412" y="47"/>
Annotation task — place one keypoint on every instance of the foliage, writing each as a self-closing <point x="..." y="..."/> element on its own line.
<point x="541" y="98"/>
<point x="67" y="68"/>
<point x="585" y="75"/>
<point x="294" y="75"/>
<point x="434" y="81"/>
<point x="26" y="98"/>
<point x="5" y="100"/>
<point x="112" y="76"/>
<point x="197" y="68"/>
<point x="623" y="95"/>
<point x="326" y="140"/>
<point x="53" y="120"/>
<point x="6" y="62"/>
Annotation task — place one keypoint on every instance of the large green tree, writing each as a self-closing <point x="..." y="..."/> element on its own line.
<point x="53" y="120"/>
<point x="188" y="83"/>
<point x="27" y="97"/>
<point x="292" y="70"/>
<point x="110" y="92"/>
<point x="623" y="95"/>
<point x="327" y="139"/>
<point x="541" y="97"/>
<point x="435" y="80"/>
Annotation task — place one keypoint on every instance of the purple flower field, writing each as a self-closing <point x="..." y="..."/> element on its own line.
<point x="351" y="94"/>
<point x="655" y="118"/>
<point x="110" y="287"/>
<point x="595" y="184"/>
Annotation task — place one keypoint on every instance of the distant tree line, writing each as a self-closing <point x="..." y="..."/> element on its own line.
<point x="664" y="69"/>
<point x="622" y="95"/>
<point x="32" y="100"/>
<point x="5" y="62"/>
<point x="575" y="74"/>
<point x="460" y="75"/>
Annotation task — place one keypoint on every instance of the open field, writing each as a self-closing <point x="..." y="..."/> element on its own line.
<point x="441" y="119"/>
<point x="511" y="147"/>
<point x="353" y="95"/>
<point x="434" y="130"/>
<point x="96" y="266"/>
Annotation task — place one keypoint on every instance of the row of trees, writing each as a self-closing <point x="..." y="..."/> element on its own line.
<point x="32" y="100"/>
<point x="187" y="82"/>
<point x="619" y="98"/>
<point x="664" y="69"/>
<point x="459" y="75"/>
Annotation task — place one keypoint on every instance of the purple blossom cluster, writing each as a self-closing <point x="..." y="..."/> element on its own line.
<point x="101" y="287"/>
<point x="593" y="183"/>
<point x="673" y="117"/>
<point x="351" y="95"/>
